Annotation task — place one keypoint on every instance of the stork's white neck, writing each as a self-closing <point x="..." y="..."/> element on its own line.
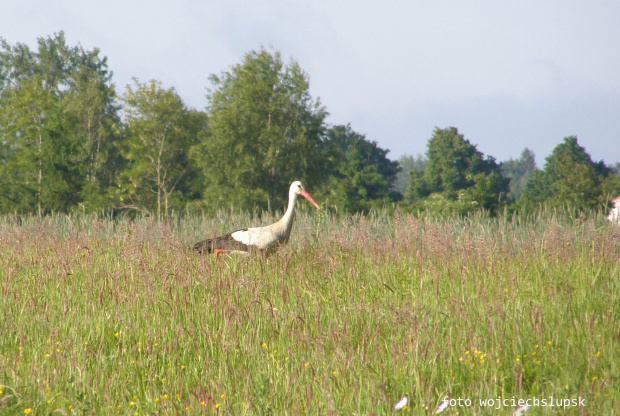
<point x="284" y="226"/>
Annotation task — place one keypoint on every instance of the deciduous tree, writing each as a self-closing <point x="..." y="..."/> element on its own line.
<point x="160" y="130"/>
<point x="362" y="175"/>
<point x="264" y="131"/>
<point x="463" y="179"/>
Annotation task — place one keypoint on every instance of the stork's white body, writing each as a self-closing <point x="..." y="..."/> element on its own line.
<point x="264" y="238"/>
<point x="259" y="238"/>
<point x="614" y="212"/>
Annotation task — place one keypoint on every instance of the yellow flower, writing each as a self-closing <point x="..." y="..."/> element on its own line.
<point x="116" y="334"/>
<point x="217" y="405"/>
<point x="222" y="396"/>
<point x="165" y="397"/>
<point x="132" y="403"/>
<point x="335" y="372"/>
<point x="203" y="403"/>
<point x="598" y="354"/>
<point x="264" y="345"/>
<point x="306" y="364"/>
<point x="27" y="410"/>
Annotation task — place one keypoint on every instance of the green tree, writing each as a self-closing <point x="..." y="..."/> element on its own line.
<point x="264" y="131"/>
<point x="160" y="130"/>
<point x="408" y="163"/>
<point x="91" y="113"/>
<point x="571" y="179"/>
<point x="32" y="150"/>
<point x="458" y="176"/>
<point x="51" y="128"/>
<point x="519" y="171"/>
<point x="362" y="175"/>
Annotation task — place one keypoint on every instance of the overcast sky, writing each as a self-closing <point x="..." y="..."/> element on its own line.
<point x="508" y="74"/>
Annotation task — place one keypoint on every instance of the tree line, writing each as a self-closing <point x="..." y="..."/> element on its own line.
<point x="70" y="143"/>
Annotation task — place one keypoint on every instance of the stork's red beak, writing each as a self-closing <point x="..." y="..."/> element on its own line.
<point x="306" y="195"/>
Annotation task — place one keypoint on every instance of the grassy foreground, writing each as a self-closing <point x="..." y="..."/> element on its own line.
<point x="117" y="317"/>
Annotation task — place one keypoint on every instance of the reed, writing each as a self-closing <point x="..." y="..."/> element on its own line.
<point x="103" y="316"/>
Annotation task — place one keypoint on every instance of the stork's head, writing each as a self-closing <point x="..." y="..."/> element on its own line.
<point x="299" y="189"/>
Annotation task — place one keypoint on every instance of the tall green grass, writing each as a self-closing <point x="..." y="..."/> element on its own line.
<point x="101" y="316"/>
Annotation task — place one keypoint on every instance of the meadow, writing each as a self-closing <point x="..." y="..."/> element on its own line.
<point x="102" y="316"/>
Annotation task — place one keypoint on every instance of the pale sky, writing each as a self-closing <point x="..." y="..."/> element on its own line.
<point x="508" y="74"/>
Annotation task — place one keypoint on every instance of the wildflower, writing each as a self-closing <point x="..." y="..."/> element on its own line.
<point x="217" y="405"/>
<point x="132" y="403"/>
<point x="156" y="399"/>
<point x="521" y="410"/>
<point x="335" y="372"/>
<point x="116" y="334"/>
<point x="401" y="404"/>
<point x="222" y="396"/>
<point x="598" y="354"/>
<point x="306" y="364"/>
<point x="264" y="345"/>
<point x="28" y="410"/>
<point x="442" y="406"/>
<point x="165" y="397"/>
<point x="203" y="403"/>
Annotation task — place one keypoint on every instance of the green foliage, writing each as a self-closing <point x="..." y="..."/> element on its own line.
<point x="457" y="176"/>
<point x="363" y="176"/>
<point x="570" y="178"/>
<point x="58" y="127"/>
<point x="160" y="130"/>
<point x="64" y="148"/>
<point x="407" y="164"/>
<point x="519" y="171"/>
<point x="264" y="131"/>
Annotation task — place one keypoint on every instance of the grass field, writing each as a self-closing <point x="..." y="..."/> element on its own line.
<point x="103" y="317"/>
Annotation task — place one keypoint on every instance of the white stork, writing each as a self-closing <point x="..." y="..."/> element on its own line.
<point x="258" y="238"/>
<point x="614" y="212"/>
